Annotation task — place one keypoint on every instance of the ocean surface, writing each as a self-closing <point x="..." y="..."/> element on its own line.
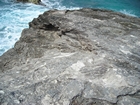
<point x="14" y="17"/>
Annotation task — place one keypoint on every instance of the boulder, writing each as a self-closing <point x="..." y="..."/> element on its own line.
<point x="74" y="57"/>
<point x="30" y="1"/>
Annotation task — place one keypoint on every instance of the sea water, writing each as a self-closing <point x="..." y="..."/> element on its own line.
<point x="14" y="17"/>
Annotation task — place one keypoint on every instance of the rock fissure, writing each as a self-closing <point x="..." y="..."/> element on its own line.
<point x="135" y="97"/>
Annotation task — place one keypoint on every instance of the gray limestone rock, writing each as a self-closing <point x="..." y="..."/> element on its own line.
<point x="30" y="1"/>
<point x="74" y="57"/>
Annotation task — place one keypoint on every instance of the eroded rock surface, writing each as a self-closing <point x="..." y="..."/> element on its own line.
<point x="78" y="57"/>
<point x="30" y="1"/>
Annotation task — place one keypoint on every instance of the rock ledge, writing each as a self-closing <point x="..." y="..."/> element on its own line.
<point x="77" y="57"/>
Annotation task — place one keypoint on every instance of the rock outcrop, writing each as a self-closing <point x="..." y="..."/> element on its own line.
<point x="77" y="57"/>
<point x="30" y="1"/>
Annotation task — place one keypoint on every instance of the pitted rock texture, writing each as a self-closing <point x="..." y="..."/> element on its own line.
<point x="77" y="57"/>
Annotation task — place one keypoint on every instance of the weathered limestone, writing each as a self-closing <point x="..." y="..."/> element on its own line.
<point x="30" y="1"/>
<point x="77" y="57"/>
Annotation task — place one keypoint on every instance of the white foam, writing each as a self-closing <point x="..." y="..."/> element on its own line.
<point x="16" y="16"/>
<point x="131" y="13"/>
<point x="14" y="19"/>
<point x="56" y="4"/>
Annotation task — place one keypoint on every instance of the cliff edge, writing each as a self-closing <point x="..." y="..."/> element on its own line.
<point x="74" y="57"/>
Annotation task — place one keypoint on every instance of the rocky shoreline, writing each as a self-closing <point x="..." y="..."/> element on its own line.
<point x="74" y="57"/>
<point x="30" y="1"/>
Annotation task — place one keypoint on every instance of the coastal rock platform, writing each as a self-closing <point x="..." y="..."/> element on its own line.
<point x="74" y="57"/>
